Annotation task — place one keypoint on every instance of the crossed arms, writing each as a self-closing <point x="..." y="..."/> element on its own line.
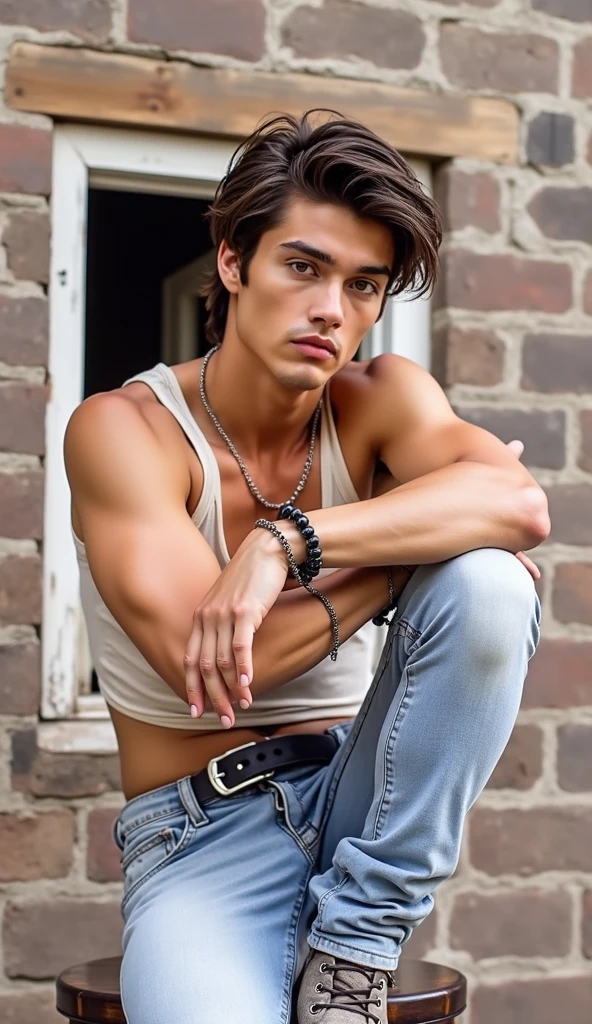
<point x="459" y="488"/>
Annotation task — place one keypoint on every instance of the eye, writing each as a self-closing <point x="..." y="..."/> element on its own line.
<point x="300" y="266"/>
<point x="367" y="287"/>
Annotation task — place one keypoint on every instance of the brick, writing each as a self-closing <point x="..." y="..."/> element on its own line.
<point x="550" y="141"/>
<point x="340" y="28"/>
<point x="572" y="593"/>
<point x="232" y="27"/>
<point x="20" y="679"/>
<point x="543" y="432"/>
<point x="569" y="508"/>
<point x="36" y="1007"/>
<point x="467" y="357"/>
<point x="574" y="758"/>
<point x="581" y="75"/>
<point x="42" y="938"/>
<point x="587" y="924"/>
<point x="559" y="675"/>
<point x="20" y="590"/>
<point x="23" y="330"/>
<point x="563" y="213"/>
<point x="103" y="856"/>
<point x="559" y="839"/>
<point x="574" y="10"/>
<point x="588" y="291"/>
<point x="502" y="282"/>
<point x="468" y="200"/>
<point x="21" y="501"/>
<point x="34" y="846"/>
<point x="43" y="773"/>
<point x="27" y="245"/>
<point x="585" y="453"/>
<point x="22" y="418"/>
<point x="25" y="159"/>
<point x="540" y="1001"/>
<point x="490" y="60"/>
<point x="423" y="938"/>
<point x="516" y="923"/>
<point x="473" y="3"/>
<point x="521" y="762"/>
<point x="89" y="19"/>
<point x="557" y="362"/>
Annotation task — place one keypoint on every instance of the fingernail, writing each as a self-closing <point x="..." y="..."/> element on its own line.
<point x="225" y="721"/>
<point x="244" y="680"/>
<point x="244" y="704"/>
<point x="193" y="710"/>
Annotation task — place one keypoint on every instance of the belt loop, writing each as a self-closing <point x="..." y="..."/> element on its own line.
<point x="197" y="815"/>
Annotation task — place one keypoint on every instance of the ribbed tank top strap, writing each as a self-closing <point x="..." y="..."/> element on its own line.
<point x="336" y="484"/>
<point x="163" y="381"/>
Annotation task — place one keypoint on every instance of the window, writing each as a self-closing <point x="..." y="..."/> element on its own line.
<point x="128" y="245"/>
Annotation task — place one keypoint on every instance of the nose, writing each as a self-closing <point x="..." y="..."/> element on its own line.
<point x="328" y="306"/>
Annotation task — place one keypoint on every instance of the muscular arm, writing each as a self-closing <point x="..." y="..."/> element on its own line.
<point x="460" y="487"/>
<point x="152" y="567"/>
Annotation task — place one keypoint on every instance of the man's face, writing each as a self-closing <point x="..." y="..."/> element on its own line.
<point x="320" y="275"/>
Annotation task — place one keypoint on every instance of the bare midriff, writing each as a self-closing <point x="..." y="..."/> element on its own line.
<point x="152" y="756"/>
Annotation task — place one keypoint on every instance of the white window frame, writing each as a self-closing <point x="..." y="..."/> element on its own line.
<point x="91" y="156"/>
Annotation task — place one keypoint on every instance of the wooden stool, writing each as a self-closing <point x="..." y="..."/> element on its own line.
<point x="89" y="993"/>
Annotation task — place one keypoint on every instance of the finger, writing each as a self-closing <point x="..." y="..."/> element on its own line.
<point x="213" y="680"/>
<point x="226" y="666"/>
<point x="242" y="646"/>
<point x="529" y="564"/>
<point x="193" y="682"/>
<point x="516" y="447"/>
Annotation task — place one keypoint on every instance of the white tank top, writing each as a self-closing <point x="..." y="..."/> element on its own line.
<point x="130" y="685"/>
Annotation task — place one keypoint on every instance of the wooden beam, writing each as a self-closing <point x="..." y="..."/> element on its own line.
<point x="116" y="88"/>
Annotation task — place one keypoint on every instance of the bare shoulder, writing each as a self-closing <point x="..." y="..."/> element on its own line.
<point x="119" y="444"/>
<point x="372" y="389"/>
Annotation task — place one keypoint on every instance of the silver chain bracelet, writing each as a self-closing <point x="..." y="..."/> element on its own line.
<point x="266" y="525"/>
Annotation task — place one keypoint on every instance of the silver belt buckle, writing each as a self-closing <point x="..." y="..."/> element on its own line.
<point x="214" y="774"/>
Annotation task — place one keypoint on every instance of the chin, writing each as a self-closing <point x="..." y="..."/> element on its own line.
<point x="302" y="378"/>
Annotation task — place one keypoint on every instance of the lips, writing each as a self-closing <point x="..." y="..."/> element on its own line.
<point x="317" y="342"/>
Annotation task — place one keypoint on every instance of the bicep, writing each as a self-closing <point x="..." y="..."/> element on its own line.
<point x="419" y="432"/>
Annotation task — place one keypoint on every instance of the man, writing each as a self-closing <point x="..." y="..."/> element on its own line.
<point x="309" y="856"/>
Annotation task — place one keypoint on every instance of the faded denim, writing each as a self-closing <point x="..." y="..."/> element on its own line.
<point x="221" y="903"/>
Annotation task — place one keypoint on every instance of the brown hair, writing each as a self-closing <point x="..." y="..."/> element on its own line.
<point x="339" y="161"/>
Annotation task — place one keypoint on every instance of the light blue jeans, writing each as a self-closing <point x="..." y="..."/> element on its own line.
<point x="222" y="902"/>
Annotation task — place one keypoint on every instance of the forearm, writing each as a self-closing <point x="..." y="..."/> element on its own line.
<point x="296" y="634"/>
<point x="455" y="509"/>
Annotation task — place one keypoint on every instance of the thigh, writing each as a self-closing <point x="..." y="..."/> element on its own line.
<point x="210" y="932"/>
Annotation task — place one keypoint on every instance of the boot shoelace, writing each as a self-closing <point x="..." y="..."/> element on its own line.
<point x="356" y="1000"/>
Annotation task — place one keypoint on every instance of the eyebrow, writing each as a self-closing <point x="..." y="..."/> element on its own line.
<point x="324" y="257"/>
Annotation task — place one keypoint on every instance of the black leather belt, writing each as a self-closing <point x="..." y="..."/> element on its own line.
<point x="253" y="762"/>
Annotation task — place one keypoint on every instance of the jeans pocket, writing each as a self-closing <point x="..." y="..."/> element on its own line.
<point x="149" y="846"/>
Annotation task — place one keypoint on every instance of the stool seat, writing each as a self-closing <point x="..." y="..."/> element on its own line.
<point x="425" y="992"/>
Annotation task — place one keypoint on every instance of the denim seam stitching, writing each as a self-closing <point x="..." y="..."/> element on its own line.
<point x="389" y="757"/>
<point x="282" y="823"/>
<point x="355" y="732"/>
<point x="181" y="846"/>
<point x="291" y="949"/>
<point x="157" y="816"/>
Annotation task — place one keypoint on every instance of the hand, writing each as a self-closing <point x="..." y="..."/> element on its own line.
<point x="219" y="657"/>
<point x="517" y="447"/>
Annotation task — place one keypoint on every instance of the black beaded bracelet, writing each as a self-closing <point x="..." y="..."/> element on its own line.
<point x="313" y="564"/>
<point x="266" y="525"/>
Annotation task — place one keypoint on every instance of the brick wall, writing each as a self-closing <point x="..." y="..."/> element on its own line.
<point x="513" y="346"/>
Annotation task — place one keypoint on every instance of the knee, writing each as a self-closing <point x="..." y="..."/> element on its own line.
<point x="494" y="600"/>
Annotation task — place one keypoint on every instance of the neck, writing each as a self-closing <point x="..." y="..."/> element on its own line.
<point x="257" y="412"/>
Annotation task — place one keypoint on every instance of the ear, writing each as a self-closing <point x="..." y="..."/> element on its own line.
<point x="228" y="268"/>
